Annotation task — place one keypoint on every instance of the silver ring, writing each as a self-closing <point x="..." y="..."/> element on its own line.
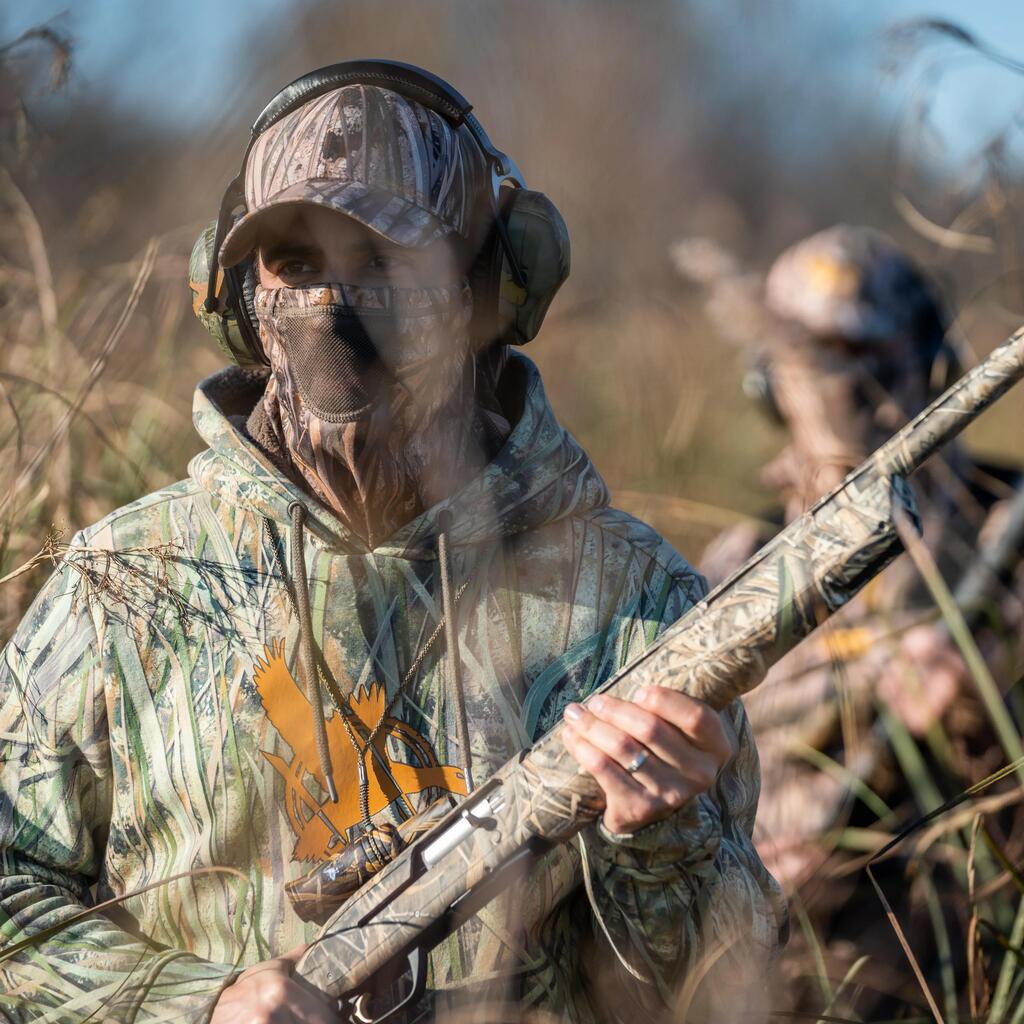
<point x="638" y="762"/>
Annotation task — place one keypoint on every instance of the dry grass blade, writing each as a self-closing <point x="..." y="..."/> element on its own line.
<point x="35" y="246"/>
<point x="37" y="559"/>
<point x="943" y="947"/>
<point x="1000" y="855"/>
<point x="974" y="974"/>
<point x="102" y="436"/>
<point x="915" y="966"/>
<point x="813" y="943"/>
<point x="95" y="371"/>
<point x="712" y="954"/>
<point x="847" y="980"/>
<point x="1007" y="971"/>
<point x="953" y="822"/>
<point x="60" y="47"/>
<point x="948" y="238"/>
<point x="841" y="773"/>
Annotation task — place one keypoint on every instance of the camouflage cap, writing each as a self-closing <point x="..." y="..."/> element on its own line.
<point x="850" y="282"/>
<point x="389" y="162"/>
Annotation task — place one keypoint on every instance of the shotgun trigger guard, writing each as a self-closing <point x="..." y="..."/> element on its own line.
<point x="360" y="1006"/>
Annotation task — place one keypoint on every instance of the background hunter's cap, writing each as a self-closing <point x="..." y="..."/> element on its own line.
<point x="392" y="164"/>
<point x="850" y="281"/>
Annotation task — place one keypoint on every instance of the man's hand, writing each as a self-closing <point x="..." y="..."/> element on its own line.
<point x="268" y="994"/>
<point x="924" y="679"/>
<point x="679" y="743"/>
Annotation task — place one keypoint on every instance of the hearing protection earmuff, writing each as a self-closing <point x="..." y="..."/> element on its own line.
<point x="520" y="242"/>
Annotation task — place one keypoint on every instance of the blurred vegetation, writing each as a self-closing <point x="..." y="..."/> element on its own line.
<point x="646" y="124"/>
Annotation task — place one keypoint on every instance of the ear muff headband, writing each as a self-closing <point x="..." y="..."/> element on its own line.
<point x="407" y="80"/>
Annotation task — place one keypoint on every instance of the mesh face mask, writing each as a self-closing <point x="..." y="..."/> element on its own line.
<point x="338" y="348"/>
<point x="358" y="375"/>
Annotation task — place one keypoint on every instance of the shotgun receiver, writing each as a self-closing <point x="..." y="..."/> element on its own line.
<point x="718" y="651"/>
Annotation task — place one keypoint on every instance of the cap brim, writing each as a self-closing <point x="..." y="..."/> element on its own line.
<point x="396" y="219"/>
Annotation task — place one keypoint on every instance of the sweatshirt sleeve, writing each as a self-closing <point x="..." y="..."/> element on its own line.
<point x="55" y="808"/>
<point x="686" y="902"/>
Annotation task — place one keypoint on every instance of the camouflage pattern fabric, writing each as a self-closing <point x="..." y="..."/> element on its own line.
<point x="152" y="723"/>
<point x="392" y="164"/>
<point x="366" y="384"/>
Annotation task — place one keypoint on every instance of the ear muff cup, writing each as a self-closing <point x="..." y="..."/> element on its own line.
<point x="540" y="242"/>
<point x="222" y="322"/>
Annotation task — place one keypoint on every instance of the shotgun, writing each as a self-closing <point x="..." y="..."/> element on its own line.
<point x="430" y="880"/>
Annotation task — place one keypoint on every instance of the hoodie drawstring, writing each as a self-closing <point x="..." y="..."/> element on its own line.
<point x="297" y="590"/>
<point x="313" y="693"/>
<point x="451" y="643"/>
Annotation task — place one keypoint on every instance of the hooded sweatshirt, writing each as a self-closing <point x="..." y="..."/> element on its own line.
<point x="155" y="732"/>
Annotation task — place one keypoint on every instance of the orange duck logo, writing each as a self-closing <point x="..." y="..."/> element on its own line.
<point x="321" y="828"/>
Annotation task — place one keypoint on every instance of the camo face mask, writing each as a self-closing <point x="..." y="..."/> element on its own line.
<point x="359" y="377"/>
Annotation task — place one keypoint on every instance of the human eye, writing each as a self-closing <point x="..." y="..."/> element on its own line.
<point x="383" y="262"/>
<point x="295" y="268"/>
<point x="291" y="264"/>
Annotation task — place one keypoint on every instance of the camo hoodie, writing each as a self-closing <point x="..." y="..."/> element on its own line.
<point x="154" y="731"/>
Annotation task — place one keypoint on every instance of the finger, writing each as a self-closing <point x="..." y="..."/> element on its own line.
<point x="669" y="787"/>
<point x="680" y="757"/>
<point x="608" y="738"/>
<point x="646" y="729"/>
<point x="628" y="805"/>
<point x="671" y="781"/>
<point x="319" y="999"/>
<point x="616" y="783"/>
<point x="266" y="987"/>
<point x="698" y="721"/>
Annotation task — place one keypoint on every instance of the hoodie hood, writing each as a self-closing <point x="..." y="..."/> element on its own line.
<point x="539" y="476"/>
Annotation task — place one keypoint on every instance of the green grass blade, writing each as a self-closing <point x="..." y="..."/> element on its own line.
<point x="992" y="698"/>
<point x="1009" y="971"/>
<point x="944" y="950"/>
<point x="848" y="978"/>
<point x="815" y="947"/>
<point x="841" y="773"/>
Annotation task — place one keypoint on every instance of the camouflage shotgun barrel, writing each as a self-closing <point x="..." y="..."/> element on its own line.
<point x="718" y="651"/>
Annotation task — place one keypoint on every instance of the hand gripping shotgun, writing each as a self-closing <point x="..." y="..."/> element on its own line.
<point x="413" y="897"/>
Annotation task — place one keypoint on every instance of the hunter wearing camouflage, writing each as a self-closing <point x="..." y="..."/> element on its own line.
<point x="156" y="727"/>
<point x="858" y="347"/>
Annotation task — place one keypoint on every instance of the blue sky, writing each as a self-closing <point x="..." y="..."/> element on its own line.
<point x="177" y="56"/>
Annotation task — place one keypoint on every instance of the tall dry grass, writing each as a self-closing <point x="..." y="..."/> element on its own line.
<point x="630" y="119"/>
